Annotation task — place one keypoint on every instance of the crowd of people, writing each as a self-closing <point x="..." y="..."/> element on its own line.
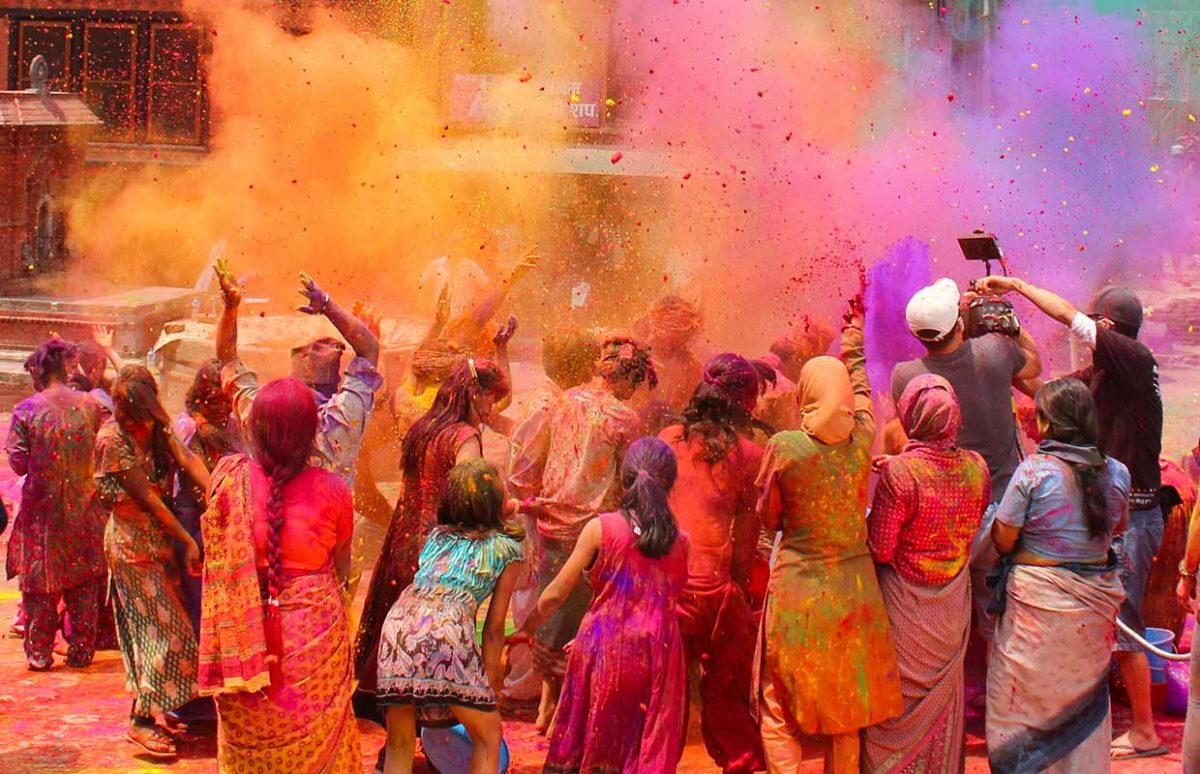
<point x="743" y="518"/>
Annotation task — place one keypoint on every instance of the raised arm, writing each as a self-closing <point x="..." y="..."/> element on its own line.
<point x="1051" y="304"/>
<point x="854" y="356"/>
<point x="227" y="325"/>
<point x="440" y="318"/>
<point x="564" y="583"/>
<point x="102" y="336"/>
<point x="1029" y="379"/>
<point x="504" y="425"/>
<point x="487" y="308"/>
<point x="356" y="332"/>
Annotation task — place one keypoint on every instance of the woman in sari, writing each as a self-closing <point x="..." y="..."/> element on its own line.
<point x="449" y="433"/>
<point x="827" y="665"/>
<point x="1058" y="595"/>
<point x="136" y="455"/>
<point x="928" y="506"/>
<point x="274" y="631"/>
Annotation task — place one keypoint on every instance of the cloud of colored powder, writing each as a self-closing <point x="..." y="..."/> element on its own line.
<point x="802" y="142"/>
<point x="820" y="135"/>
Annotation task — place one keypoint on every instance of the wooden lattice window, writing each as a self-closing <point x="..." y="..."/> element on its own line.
<point x="110" y="77"/>
<point x="51" y="39"/>
<point x="176" y="99"/>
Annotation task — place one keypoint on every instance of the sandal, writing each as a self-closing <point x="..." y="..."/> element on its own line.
<point x="1127" y="752"/>
<point x="163" y="745"/>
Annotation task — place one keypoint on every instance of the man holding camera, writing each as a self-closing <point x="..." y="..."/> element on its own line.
<point x="1123" y="378"/>
<point x="983" y="370"/>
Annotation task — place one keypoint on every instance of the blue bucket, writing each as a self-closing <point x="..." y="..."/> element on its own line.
<point x="449" y="749"/>
<point x="1163" y="639"/>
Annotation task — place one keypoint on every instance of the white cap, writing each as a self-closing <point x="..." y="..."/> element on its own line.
<point x="933" y="309"/>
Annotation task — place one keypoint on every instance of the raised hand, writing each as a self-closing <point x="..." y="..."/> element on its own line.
<point x="318" y="299"/>
<point x="102" y="336"/>
<point x="231" y="291"/>
<point x="506" y="332"/>
<point x="856" y="312"/>
<point x="529" y="260"/>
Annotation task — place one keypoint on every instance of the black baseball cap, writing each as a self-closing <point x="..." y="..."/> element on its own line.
<point x="1122" y="306"/>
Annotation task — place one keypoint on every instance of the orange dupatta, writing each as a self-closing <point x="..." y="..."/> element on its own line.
<point x="233" y="644"/>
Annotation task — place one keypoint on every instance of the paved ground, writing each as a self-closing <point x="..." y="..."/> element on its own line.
<point x="72" y="721"/>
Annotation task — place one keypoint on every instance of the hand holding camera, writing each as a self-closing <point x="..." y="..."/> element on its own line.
<point x="985" y="311"/>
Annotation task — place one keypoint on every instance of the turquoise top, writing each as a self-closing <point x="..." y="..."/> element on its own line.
<point x="457" y="561"/>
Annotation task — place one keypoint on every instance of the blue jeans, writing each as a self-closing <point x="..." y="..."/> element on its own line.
<point x="1135" y="551"/>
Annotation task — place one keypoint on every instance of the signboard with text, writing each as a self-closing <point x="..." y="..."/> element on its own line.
<point x="478" y="100"/>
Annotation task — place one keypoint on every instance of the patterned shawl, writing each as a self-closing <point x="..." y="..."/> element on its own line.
<point x="233" y="646"/>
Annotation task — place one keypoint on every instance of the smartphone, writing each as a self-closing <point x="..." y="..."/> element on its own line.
<point x="980" y="246"/>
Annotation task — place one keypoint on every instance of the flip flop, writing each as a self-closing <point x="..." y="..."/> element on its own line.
<point x="156" y="735"/>
<point x="1119" y="752"/>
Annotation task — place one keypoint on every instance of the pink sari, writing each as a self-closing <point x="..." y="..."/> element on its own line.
<point x="304" y="722"/>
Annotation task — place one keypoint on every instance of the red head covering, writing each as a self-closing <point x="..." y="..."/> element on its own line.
<point x="929" y="411"/>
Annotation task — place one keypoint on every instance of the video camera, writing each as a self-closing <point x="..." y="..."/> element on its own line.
<point x="987" y="314"/>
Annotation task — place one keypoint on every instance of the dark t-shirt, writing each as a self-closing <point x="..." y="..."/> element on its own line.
<point x="1124" y="380"/>
<point x="981" y="372"/>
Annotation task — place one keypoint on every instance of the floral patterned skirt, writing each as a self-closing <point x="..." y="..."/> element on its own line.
<point x="305" y="725"/>
<point x="429" y="656"/>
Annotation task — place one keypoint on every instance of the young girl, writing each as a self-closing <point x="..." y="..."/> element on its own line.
<point x="624" y="701"/>
<point x="430" y="666"/>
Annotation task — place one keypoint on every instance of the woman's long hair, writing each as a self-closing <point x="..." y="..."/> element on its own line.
<point x="283" y="424"/>
<point x="135" y="403"/>
<point x="648" y="474"/>
<point x="1068" y="410"/>
<point x="474" y="500"/>
<point x="720" y="408"/>
<point x="453" y="403"/>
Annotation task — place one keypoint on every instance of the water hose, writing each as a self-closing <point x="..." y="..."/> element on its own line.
<point x="1140" y="640"/>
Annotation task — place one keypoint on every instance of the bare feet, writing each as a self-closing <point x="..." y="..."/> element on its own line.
<point x="545" y="717"/>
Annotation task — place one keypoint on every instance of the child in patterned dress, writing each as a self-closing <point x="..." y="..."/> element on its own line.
<point x="431" y="668"/>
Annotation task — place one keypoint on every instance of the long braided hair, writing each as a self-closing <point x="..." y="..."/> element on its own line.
<point x="283" y="424"/>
